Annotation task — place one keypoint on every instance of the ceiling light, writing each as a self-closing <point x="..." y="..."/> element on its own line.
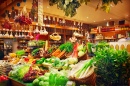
<point x="87" y="17"/>
<point x="110" y="18"/>
<point x="104" y="19"/>
<point x="94" y="21"/>
<point x="47" y="6"/>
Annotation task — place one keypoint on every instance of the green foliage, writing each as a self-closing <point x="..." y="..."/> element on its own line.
<point x="20" y="53"/>
<point x="68" y="47"/>
<point x="84" y="1"/>
<point x="70" y="6"/>
<point x="112" y="67"/>
<point x="40" y="43"/>
<point x="35" y="51"/>
<point x="106" y="4"/>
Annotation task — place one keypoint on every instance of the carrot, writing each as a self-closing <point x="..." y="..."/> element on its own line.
<point x="57" y="50"/>
<point x="61" y="54"/>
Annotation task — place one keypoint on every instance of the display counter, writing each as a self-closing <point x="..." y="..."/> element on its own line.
<point x="120" y="45"/>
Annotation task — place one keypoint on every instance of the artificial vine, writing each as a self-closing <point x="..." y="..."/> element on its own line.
<point x="70" y="6"/>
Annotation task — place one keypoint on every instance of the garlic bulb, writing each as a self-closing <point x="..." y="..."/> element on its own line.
<point x="11" y="35"/>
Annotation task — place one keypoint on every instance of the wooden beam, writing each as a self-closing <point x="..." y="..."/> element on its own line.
<point x="9" y="6"/>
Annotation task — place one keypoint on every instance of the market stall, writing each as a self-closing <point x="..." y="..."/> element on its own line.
<point x="48" y="50"/>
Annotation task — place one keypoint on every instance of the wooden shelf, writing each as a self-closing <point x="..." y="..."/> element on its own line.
<point x="57" y="26"/>
<point x="116" y="31"/>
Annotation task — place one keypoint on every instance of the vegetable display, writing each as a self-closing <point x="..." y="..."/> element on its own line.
<point x="63" y="48"/>
<point x="60" y="64"/>
<point x="57" y="78"/>
<point x="81" y="50"/>
<point x="68" y="47"/>
<point x="19" y="71"/>
<point x="82" y="70"/>
<point x="112" y="67"/>
<point x="38" y="43"/>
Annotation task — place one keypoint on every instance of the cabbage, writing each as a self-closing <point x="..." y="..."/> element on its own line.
<point x="22" y="71"/>
<point x="80" y="53"/>
<point x="72" y="60"/>
<point x="80" y="47"/>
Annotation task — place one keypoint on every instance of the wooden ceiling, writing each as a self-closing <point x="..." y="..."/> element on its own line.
<point x="85" y="13"/>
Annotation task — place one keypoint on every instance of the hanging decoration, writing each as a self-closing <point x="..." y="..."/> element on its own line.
<point x="40" y="17"/>
<point x="55" y="36"/>
<point x="23" y="18"/>
<point x="6" y="24"/>
<point x="34" y="8"/>
<point x="40" y="13"/>
<point x="70" y="6"/>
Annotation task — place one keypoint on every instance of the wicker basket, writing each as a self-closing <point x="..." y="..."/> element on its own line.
<point x="84" y="57"/>
<point x="15" y="83"/>
<point x="91" y="80"/>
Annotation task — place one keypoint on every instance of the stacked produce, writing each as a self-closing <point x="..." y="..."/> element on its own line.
<point x="82" y="69"/>
<point x="16" y="57"/>
<point x="26" y="72"/>
<point x="63" y="48"/>
<point x="20" y="53"/>
<point x="111" y="66"/>
<point x="52" y="78"/>
<point x="19" y="71"/>
<point x="79" y="50"/>
<point x="57" y="63"/>
<point x="33" y="73"/>
<point x="38" y="43"/>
